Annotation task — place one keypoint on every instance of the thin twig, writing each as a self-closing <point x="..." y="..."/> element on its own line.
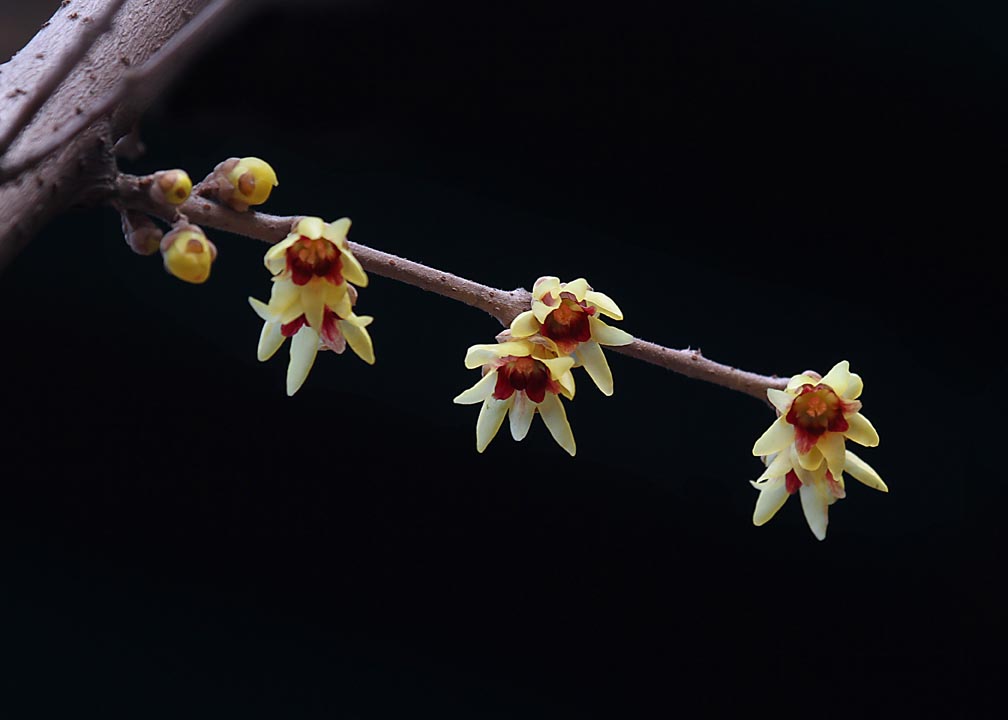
<point x="58" y="74"/>
<point x="132" y="192"/>
<point x="149" y="79"/>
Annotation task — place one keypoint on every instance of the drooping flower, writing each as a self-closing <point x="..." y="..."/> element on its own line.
<point x="805" y="449"/>
<point x="311" y="300"/>
<point x="566" y="317"/>
<point x="187" y="253"/>
<point x="519" y="379"/>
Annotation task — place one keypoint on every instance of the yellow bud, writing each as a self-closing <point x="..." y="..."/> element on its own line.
<point x="187" y="253"/>
<point x="171" y="186"/>
<point x="253" y="180"/>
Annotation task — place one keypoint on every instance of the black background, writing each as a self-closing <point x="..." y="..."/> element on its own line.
<point x="781" y="184"/>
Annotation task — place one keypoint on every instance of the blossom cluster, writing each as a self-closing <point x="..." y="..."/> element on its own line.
<point x="312" y="299"/>
<point x="529" y="367"/>
<point x="805" y="448"/>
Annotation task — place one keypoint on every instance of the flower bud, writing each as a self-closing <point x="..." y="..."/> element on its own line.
<point x="142" y="235"/>
<point x="187" y="253"/>
<point x="171" y="186"/>
<point x="241" y="182"/>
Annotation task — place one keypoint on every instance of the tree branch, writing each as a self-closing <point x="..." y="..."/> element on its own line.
<point x="132" y="192"/>
<point x="67" y="62"/>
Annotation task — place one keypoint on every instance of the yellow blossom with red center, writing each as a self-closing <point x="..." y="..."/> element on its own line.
<point x="311" y="300"/>
<point x="805" y="449"/>
<point x="520" y="379"/>
<point x="565" y="318"/>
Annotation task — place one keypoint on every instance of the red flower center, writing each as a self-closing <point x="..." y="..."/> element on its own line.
<point x="816" y="410"/>
<point x="523" y="374"/>
<point x="568" y="324"/>
<point x="308" y="258"/>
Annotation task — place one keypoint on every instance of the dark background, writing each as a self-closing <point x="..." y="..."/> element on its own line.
<point x="781" y="184"/>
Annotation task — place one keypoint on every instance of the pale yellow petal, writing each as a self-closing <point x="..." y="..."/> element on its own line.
<point x="778" y="467"/>
<point x="478" y="392"/>
<point x="275" y="258"/>
<point x="567" y="387"/>
<point x="304" y="348"/>
<point x="541" y="310"/>
<point x="313" y="302"/>
<point x="780" y="400"/>
<point x="524" y="325"/>
<point x="479" y="355"/>
<point x="545" y="284"/>
<point x="777" y="437"/>
<point x="261" y="309"/>
<point x="310" y="227"/>
<point x="838" y="377"/>
<point x="812" y="459"/>
<point x="577" y="288"/>
<point x="832" y="447"/>
<point x="861" y="431"/>
<point x="491" y="416"/>
<point x="337" y="230"/>
<point x="558" y="366"/>
<point x="337" y="299"/>
<point x="607" y="335"/>
<point x="854" y="387"/>
<point x="294" y="311"/>
<point x="773" y="495"/>
<point x="604" y="303"/>
<point x="864" y="472"/>
<point x="555" y="417"/>
<point x="358" y="339"/>
<point x="270" y="340"/>
<point x="815" y="503"/>
<point x="520" y="415"/>
<point x="352" y="269"/>
<point x="798" y="380"/>
<point x="591" y="357"/>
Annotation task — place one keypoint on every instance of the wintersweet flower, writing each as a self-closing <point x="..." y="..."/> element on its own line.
<point x="241" y="182"/>
<point x="285" y="317"/>
<point x="171" y="186"/>
<point x="519" y="379"/>
<point x="805" y="449"/>
<point x="565" y="315"/>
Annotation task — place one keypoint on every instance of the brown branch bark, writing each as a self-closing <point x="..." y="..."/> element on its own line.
<point x="132" y="192"/>
<point x="71" y="171"/>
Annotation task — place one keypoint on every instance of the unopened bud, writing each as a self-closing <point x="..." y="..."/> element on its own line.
<point x="142" y="235"/>
<point x="187" y="253"/>
<point x="171" y="186"/>
<point x="241" y="182"/>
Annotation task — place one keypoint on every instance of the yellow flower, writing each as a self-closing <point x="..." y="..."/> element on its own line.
<point x="241" y="182"/>
<point x="285" y="317"/>
<point x="805" y="449"/>
<point x="311" y="299"/>
<point x="566" y="316"/>
<point x="187" y="253"/>
<point x="520" y="378"/>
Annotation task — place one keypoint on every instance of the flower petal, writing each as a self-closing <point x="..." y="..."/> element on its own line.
<point x="838" y="377"/>
<point x="337" y="299"/>
<point x="310" y="227"/>
<point x="358" y="339"/>
<point x="832" y="447"/>
<point x="261" y="309"/>
<point x="780" y="400"/>
<point x="815" y="504"/>
<point x="352" y="269"/>
<point x="864" y="472"/>
<point x="607" y="335"/>
<point x="479" y="355"/>
<point x="270" y="340"/>
<point x="489" y="421"/>
<point x="773" y="495"/>
<point x="304" y="348"/>
<point x="313" y="302"/>
<point x="555" y="417"/>
<point x="336" y="231"/>
<point x="478" y="392"/>
<point x="798" y="380"/>
<point x="594" y="361"/>
<point x="812" y="459"/>
<point x="524" y="325"/>
<point x="778" y="467"/>
<point x="577" y="288"/>
<point x="275" y="258"/>
<point x="521" y="414"/>
<point x="545" y="284"/>
<point x="604" y="303"/>
<point x="777" y="437"/>
<point x="558" y="366"/>
<point x="861" y="431"/>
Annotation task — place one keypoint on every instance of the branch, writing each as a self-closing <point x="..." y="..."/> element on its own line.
<point x="132" y="192"/>
<point x="67" y="62"/>
<point x="148" y="80"/>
